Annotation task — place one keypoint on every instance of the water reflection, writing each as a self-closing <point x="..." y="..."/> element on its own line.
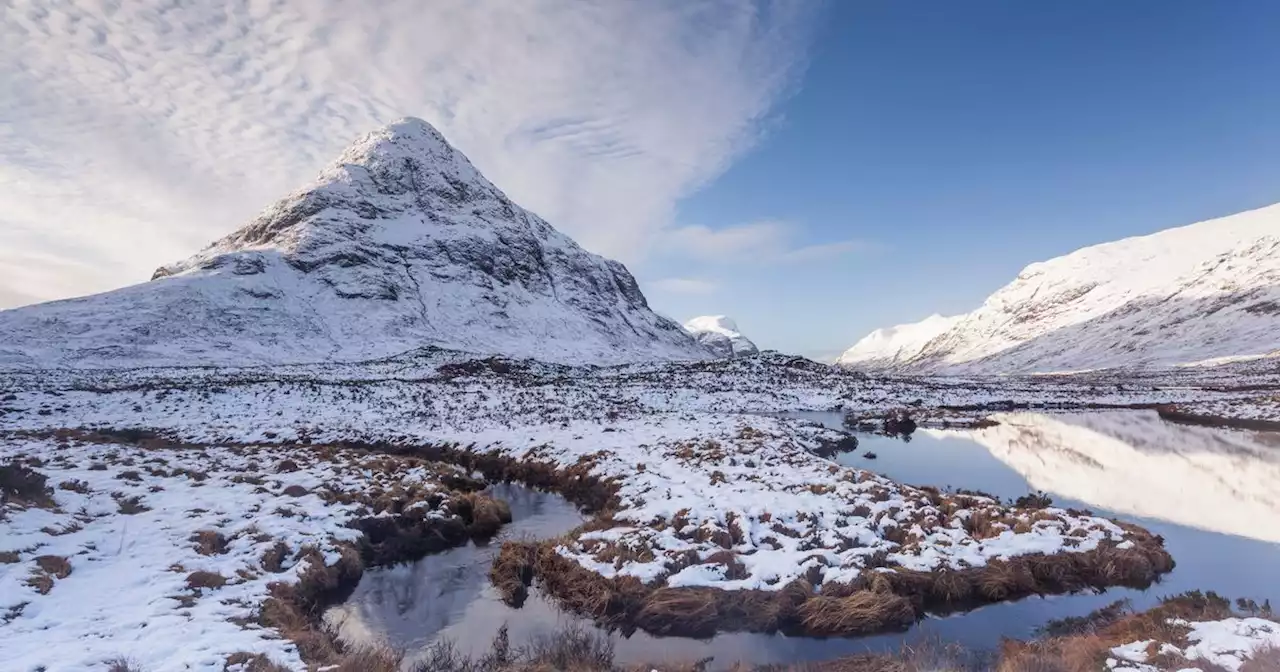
<point x="1211" y="493"/>
<point x="1137" y="464"/>
<point x="410" y="606"/>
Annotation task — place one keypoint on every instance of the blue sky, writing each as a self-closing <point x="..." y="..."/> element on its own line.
<point x="961" y="141"/>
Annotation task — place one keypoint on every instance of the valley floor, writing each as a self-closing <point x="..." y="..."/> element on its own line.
<point x="229" y="505"/>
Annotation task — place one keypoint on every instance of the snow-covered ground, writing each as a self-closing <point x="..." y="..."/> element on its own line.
<point x="1228" y="643"/>
<point x="700" y="468"/>
<point x="127" y="522"/>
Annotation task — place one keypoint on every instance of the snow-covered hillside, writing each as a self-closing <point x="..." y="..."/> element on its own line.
<point x="1201" y="292"/>
<point x="400" y="243"/>
<point x="720" y="334"/>
<point x="891" y="346"/>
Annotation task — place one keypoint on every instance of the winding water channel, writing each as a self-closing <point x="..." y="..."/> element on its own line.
<point x="1214" y="495"/>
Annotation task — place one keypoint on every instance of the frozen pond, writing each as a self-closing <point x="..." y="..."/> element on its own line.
<point x="1213" y="494"/>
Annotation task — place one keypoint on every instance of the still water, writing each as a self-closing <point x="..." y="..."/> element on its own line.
<point x="1213" y="494"/>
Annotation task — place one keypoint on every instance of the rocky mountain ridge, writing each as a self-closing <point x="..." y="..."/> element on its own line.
<point x="1200" y="293"/>
<point x="399" y="244"/>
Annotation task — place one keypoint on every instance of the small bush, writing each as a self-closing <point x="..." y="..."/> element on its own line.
<point x="899" y="423"/>
<point x="1035" y="500"/>
<point x="209" y="542"/>
<point x="75" y="486"/>
<point x="122" y="664"/>
<point x="55" y="565"/>
<point x="24" y="486"/>
<point x="131" y="505"/>
<point x="200" y="580"/>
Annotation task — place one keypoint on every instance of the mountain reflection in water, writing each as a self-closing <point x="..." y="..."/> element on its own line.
<point x="1212" y="494"/>
<point x="1136" y="464"/>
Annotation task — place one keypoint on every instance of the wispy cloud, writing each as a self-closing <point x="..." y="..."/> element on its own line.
<point x="684" y="286"/>
<point x="135" y="132"/>
<point x="756" y="242"/>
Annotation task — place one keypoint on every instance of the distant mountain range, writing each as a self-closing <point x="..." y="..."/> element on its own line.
<point x="399" y="244"/>
<point x="720" y="335"/>
<point x="1187" y="295"/>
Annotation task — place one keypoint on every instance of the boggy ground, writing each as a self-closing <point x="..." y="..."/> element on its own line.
<point x="124" y="547"/>
<point x="1192" y="631"/>
<point x="750" y="532"/>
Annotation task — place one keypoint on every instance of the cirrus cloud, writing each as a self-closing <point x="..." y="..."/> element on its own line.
<point x="136" y="132"/>
<point x="766" y="241"/>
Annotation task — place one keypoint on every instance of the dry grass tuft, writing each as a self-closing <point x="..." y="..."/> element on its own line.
<point x="130" y="505"/>
<point x="23" y="485"/>
<point x="273" y="558"/>
<point x="1084" y="644"/>
<point x="513" y="570"/>
<point x="209" y="542"/>
<point x="253" y="662"/>
<point x="1265" y="659"/>
<point x="55" y="565"/>
<point x="201" y="580"/>
<point x="48" y="568"/>
<point x="483" y="514"/>
<point x="122" y="664"/>
<point x="863" y="611"/>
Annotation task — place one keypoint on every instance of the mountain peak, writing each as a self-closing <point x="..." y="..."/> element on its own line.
<point x="409" y="137"/>
<point x="398" y="244"/>
<point x="720" y="334"/>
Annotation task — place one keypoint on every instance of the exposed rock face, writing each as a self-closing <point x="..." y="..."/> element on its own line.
<point x="1187" y="295"/>
<point x="401" y="243"/>
<point x="720" y="335"/>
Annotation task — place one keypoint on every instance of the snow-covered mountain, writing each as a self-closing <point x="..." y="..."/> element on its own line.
<point x="892" y="346"/>
<point x="1186" y="295"/>
<point x="401" y="243"/>
<point x="720" y="334"/>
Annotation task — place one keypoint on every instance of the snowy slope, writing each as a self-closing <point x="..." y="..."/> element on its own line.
<point x="720" y="334"/>
<point x="400" y="243"/>
<point x="1200" y="292"/>
<point x="891" y="346"/>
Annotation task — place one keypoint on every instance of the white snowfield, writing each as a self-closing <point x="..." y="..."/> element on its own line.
<point x="720" y="335"/>
<point x="1205" y="478"/>
<point x="1228" y="643"/>
<point x="1185" y="295"/>
<point x="399" y="244"/>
